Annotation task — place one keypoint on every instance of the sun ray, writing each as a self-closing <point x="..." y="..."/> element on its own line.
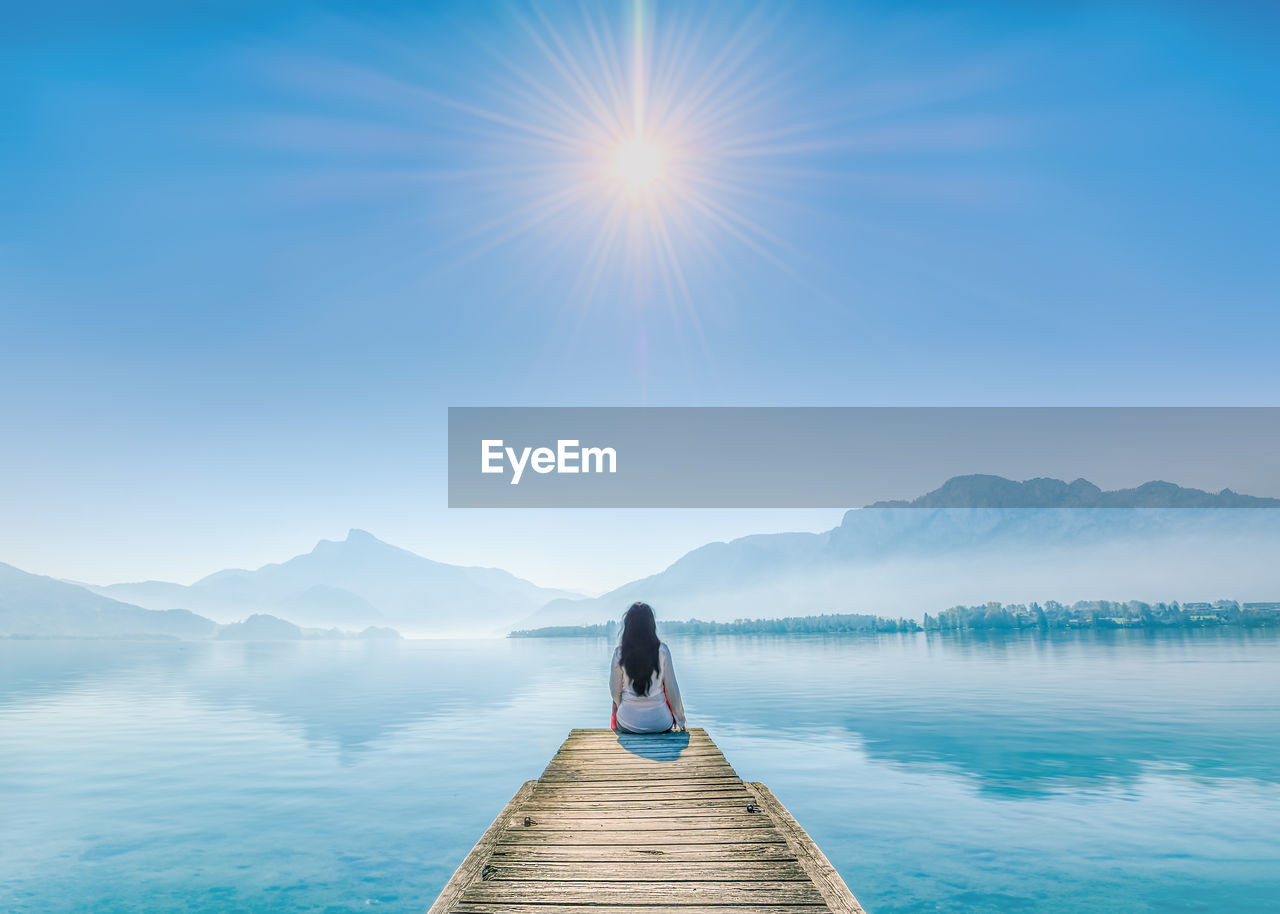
<point x="533" y="214"/>
<point x="563" y="62"/>
<point x="639" y="83"/>
<point x="613" y="81"/>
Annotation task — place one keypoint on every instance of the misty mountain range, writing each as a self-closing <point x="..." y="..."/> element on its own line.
<point x="981" y="491"/>
<point x="36" y="606"/>
<point x="974" y="539"/>
<point x="32" y="604"/>
<point x="356" y="582"/>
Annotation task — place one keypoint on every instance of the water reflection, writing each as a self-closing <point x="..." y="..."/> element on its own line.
<point x="338" y="694"/>
<point x="1017" y="713"/>
<point x="1023" y="712"/>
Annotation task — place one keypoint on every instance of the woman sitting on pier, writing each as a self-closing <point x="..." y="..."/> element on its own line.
<point x="646" y="698"/>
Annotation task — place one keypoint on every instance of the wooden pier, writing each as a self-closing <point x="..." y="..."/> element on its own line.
<point x="621" y="824"/>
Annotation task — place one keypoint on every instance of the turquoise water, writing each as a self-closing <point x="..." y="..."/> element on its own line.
<point x="1117" y="771"/>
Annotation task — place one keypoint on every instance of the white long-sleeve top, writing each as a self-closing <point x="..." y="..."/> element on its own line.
<point x="647" y="713"/>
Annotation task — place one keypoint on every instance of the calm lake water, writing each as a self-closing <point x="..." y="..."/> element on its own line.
<point x="1117" y="771"/>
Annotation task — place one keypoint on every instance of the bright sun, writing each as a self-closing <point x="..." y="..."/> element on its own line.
<point x="642" y="149"/>
<point x="638" y="165"/>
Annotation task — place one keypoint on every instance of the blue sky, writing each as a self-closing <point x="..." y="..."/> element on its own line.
<point x="250" y="253"/>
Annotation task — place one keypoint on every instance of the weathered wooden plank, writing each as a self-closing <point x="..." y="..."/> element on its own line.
<point x="641" y="805"/>
<point x="618" y="759"/>
<point x="638" y="750"/>
<point x="647" y="836"/>
<point x="641" y="809"/>
<point x="662" y="794"/>
<point x="620" y="787"/>
<point x="694" y="747"/>
<point x="641" y="908"/>
<point x="651" y="870"/>
<point x="602" y="748"/>
<point x="635" y="779"/>
<point x="610" y="789"/>
<point x="673" y="795"/>
<point x="825" y="876"/>
<point x="657" y="894"/>
<point x="682" y="808"/>
<point x="631" y="750"/>
<point x="621" y="853"/>
<point x="605" y="732"/>
<point x="613" y="793"/>
<point x="584" y="750"/>
<point x="641" y="743"/>
<point x="474" y="861"/>
<point x="552" y="822"/>
<point x="659" y="800"/>
<point x="640" y="762"/>
<point x="639" y="778"/>
<point x="671" y="738"/>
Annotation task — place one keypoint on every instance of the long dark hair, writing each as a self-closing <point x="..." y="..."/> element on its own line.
<point x="639" y="646"/>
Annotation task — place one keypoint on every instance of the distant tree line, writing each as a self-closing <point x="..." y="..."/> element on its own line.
<point x="1091" y="614"/>
<point x="605" y="630"/>
<point x="790" y="625"/>
<point x="1096" y="614"/>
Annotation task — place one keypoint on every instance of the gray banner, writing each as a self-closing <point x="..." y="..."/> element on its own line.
<point x="843" y="457"/>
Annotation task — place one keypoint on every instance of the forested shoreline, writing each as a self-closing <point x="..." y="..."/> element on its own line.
<point x="1084" y="614"/>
